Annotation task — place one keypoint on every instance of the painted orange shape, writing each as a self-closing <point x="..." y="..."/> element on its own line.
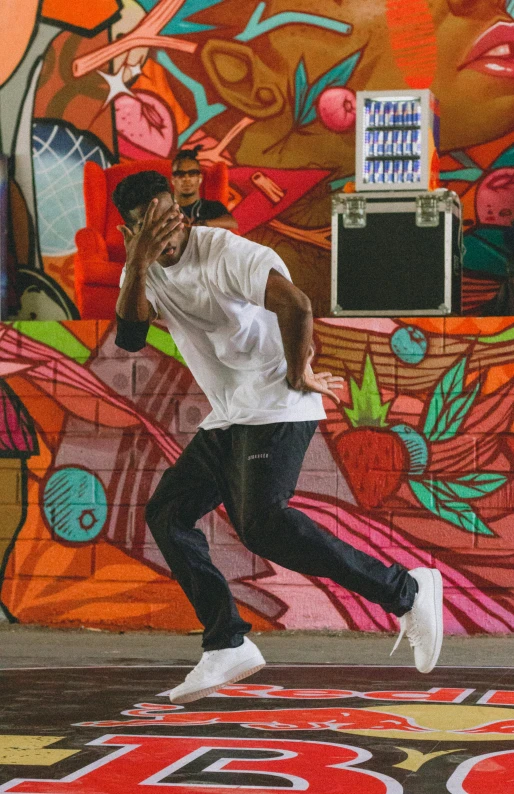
<point x="413" y="41"/>
<point x="88" y="14"/>
<point x="18" y="20"/>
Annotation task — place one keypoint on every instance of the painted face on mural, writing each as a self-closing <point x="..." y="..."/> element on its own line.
<point x="260" y="76"/>
<point x="474" y="78"/>
<point x="471" y="64"/>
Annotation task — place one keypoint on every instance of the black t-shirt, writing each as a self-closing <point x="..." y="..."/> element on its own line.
<point x="204" y="210"/>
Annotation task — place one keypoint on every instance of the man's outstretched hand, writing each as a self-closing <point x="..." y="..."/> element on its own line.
<point x="319" y="382"/>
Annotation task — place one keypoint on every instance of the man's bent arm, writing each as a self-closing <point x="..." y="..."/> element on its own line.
<point x="294" y="314"/>
<point x="134" y="312"/>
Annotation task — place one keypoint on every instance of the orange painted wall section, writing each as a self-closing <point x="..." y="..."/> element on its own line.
<point x="86" y="15"/>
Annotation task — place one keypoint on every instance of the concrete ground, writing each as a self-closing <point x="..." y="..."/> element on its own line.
<point x="32" y="646"/>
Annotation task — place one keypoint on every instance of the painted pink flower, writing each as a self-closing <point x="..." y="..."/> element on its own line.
<point x="145" y="126"/>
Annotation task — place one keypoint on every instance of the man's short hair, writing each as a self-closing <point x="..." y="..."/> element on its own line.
<point x="137" y="189"/>
<point x="186" y="154"/>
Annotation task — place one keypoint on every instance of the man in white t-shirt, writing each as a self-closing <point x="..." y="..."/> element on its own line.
<point x="245" y="332"/>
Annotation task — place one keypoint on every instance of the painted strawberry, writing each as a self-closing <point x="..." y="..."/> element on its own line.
<point x="375" y="457"/>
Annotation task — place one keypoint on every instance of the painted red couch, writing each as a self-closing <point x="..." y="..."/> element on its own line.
<point x="100" y="254"/>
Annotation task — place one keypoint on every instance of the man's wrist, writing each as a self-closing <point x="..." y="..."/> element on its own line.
<point x="295" y="381"/>
<point x="137" y="267"/>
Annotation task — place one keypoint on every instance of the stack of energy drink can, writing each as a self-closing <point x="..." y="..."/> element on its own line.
<point x="392" y="142"/>
<point x="392" y="114"/>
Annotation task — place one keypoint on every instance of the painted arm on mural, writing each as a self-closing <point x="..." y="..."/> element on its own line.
<point x="294" y="315"/>
<point x="144" y="244"/>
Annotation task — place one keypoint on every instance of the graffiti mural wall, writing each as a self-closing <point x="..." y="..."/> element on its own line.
<point x="415" y="465"/>
<point x="267" y="86"/>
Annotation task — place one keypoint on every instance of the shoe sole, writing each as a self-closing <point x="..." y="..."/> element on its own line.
<point x="437" y="581"/>
<point x="189" y="697"/>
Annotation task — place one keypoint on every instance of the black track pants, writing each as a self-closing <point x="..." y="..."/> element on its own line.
<point x="253" y="471"/>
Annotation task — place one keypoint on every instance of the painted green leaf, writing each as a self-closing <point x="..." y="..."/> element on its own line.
<point x="162" y="341"/>
<point x="471" y="486"/>
<point x="306" y="98"/>
<point x="507" y="335"/>
<point x="54" y="335"/>
<point x="301" y="89"/>
<point x="336" y="77"/>
<point x="458" y="513"/>
<point x="452" y="415"/>
<point x="367" y="408"/>
<point x="449" y="404"/>
<point x="453" y="381"/>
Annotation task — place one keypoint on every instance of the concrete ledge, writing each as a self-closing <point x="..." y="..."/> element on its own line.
<point x="33" y="646"/>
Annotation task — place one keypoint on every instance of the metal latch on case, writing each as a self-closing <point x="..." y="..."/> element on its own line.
<point x="427" y="210"/>
<point x="354" y="212"/>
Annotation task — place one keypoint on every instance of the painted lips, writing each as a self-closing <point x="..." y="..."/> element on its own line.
<point x="493" y="51"/>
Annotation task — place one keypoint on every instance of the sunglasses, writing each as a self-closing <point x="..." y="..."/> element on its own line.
<point x="191" y="172"/>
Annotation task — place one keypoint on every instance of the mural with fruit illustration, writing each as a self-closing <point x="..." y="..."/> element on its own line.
<point x="376" y="456"/>
<point x="416" y="465"/>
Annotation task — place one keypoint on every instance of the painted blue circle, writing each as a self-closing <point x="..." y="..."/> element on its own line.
<point x="416" y="446"/>
<point x="75" y="505"/>
<point x="409" y="344"/>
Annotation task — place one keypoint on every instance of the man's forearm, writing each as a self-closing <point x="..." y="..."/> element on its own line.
<point x="295" y="323"/>
<point x="132" y="303"/>
<point x="132" y="312"/>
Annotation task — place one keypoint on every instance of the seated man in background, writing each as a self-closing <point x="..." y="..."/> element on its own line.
<point x="186" y="180"/>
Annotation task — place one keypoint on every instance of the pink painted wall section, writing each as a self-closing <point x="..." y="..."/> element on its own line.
<point x="416" y="465"/>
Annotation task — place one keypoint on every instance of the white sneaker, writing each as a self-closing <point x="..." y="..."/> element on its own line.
<point x="218" y="668"/>
<point x="423" y="624"/>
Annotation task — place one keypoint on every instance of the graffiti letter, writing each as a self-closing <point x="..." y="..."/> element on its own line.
<point x="483" y="774"/>
<point x="187" y="763"/>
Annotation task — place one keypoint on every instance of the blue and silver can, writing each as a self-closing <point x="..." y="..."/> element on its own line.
<point x="379" y="114"/>
<point x="416" y="142"/>
<point x="408" y="171"/>
<point x="378" y="171"/>
<point x="408" y="114"/>
<point x="368" y="143"/>
<point x="397" y="143"/>
<point x="416" y="114"/>
<point x="379" y="143"/>
<point x="388" y="172"/>
<point x="407" y="142"/>
<point x="398" y="171"/>
<point x="367" y="113"/>
<point x="416" y="171"/>
<point x="388" y="143"/>
<point x="388" y="114"/>
<point x="367" y="175"/>
<point x="398" y="114"/>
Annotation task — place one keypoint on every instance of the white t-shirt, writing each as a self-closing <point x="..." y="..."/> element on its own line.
<point x="212" y="302"/>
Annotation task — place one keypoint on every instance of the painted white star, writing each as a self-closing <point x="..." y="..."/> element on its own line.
<point x="116" y="85"/>
<point x="135" y="70"/>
